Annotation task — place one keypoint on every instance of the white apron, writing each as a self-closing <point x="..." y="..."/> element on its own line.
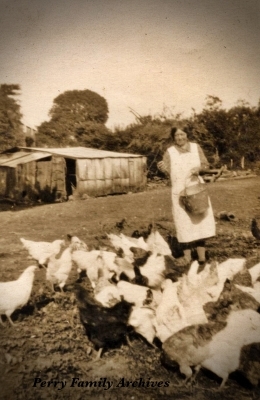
<point x="188" y="227"/>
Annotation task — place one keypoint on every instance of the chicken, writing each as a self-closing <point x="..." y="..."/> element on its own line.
<point x="77" y="243"/>
<point x="157" y="244"/>
<point x="137" y="295"/>
<point x="15" y="294"/>
<point x="134" y="242"/>
<point x="58" y="269"/>
<point x="243" y="328"/>
<point x="201" y="283"/>
<point x="254" y="272"/>
<point x="188" y="347"/>
<point x="220" y="352"/>
<point x="108" y="296"/>
<point x="105" y="292"/>
<point x="121" y="224"/>
<point x="229" y="268"/>
<point x="117" y="242"/>
<point x="231" y="298"/>
<point x="170" y="314"/>
<point x="94" y="260"/>
<point x="249" y="364"/>
<point x="143" y="320"/>
<point x="105" y="327"/>
<point x="125" y="268"/>
<point x="41" y="251"/>
<point x="125" y="243"/>
<point x="253" y="291"/>
<point x="137" y="234"/>
<point x="154" y="270"/>
<point x="191" y="302"/>
<point x="255" y="229"/>
<point x="225" y="270"/>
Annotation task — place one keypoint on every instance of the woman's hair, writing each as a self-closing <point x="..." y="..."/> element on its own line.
<point x="174" y="130"/>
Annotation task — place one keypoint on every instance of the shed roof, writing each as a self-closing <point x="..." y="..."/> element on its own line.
<point x="82" y="152"/>
<point x="22" y="157"/>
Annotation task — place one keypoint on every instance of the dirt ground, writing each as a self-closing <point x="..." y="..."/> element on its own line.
<point x="48" y="341"/>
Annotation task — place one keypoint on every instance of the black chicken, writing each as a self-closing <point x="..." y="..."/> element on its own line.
<point x="137" y="234"/>
<point x="105" y="327"/>
<point x="255" y="229"/>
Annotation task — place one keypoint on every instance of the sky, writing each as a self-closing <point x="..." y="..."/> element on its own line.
<point x="141" y="55"/>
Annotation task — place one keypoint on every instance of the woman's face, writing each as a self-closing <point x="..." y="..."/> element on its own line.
<point x="180" y="137"/>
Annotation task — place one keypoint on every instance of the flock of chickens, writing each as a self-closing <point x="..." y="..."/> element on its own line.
<point x="138" y="287"/>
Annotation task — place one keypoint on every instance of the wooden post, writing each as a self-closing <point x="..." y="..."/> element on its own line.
<point x="243" y="162"/>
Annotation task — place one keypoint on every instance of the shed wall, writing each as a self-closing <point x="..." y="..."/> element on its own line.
<point x="97" y="177"/>
<point x="3" y="173"/>
<point x="46" y="178"/>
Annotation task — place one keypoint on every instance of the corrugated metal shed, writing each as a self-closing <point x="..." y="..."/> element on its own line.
<point x="82" y="152"/>
<point x="59" y="172"/>
<point x="11" y="156"/>
<point x="23" y="158"/>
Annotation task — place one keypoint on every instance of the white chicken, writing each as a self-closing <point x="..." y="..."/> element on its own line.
<point x="77" y="243"/>
<point x="229" y="268"/>
<point x="154" y="270"/>
<point x="94" y="260"/>
<point x="15" y="294"/>
<point x="105" y="292"/>
<point x="58" y="269"/>
<point x="243" y="327"/>
<point x="201" y="283"/>
<point x="41" y="251"/>
<point x="226" y="270"/>
<point x="170" y="314"/>
<point x="138" y="295"/>
<point x="108" y="296"/>
<point x="124" y="243"/>
<point x="143" y="320"/>
<point x="192" y="304"/>
<point x="124" y="267"/>
<point x="157" y="244"/>
<point x="254" y="272"/>
<point x="134" y="242"/>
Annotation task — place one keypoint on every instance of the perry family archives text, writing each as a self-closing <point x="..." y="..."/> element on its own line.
<point x="101" y="383"/>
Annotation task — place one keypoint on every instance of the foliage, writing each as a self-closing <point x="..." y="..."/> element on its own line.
<point x="149" y="136"/>
<point x="78" y="119"/>
<point x="223" y="134"/>
<point x="234" y="133"/>
<point x="11" y="133"/>
<point x="74" y="115"/>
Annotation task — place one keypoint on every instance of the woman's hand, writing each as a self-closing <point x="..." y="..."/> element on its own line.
<point x="160" y="165"/>
<point x="195" y="171"/>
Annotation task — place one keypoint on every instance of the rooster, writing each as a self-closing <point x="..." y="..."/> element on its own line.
<point x="105" y="327"/>
<point x="15" y="294"/>
<point x="41" y="251"/>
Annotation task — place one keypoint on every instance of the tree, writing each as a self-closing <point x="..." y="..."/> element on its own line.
<point x="11" y="133"/>
<point x="75" y="114"/>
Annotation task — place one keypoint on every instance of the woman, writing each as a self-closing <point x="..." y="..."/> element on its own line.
<point x="183" y="161"/>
